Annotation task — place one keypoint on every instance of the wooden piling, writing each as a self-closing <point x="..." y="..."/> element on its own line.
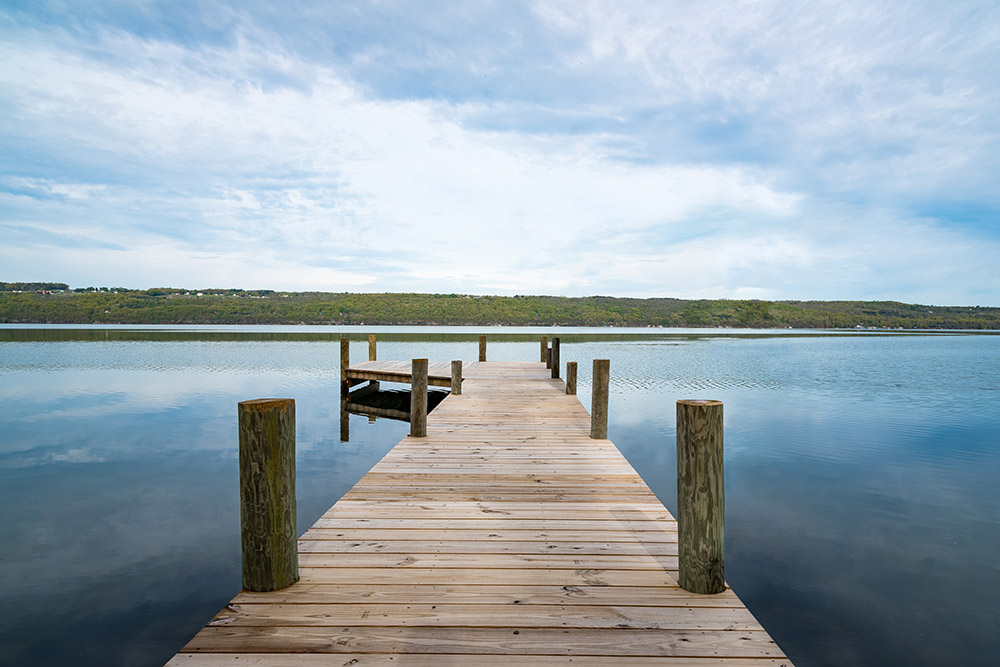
<point x="371" y="347"/>
<point x="456" y="377"/>
<point x="482" y="348"/>
<point x="555" y="357"/>
<point x="571" y="377"/>
<point x="269" y="539"/>
<point x="418" y="399"/>
<point x="548" y="357"/>
<point x="599" y="399"/>
<point x="545" y="351"/>
<point x="700" y="497"/>
<point x="345" y="363"/>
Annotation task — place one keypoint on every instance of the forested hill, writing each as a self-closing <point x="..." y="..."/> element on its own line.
<point x="55" y="303"/>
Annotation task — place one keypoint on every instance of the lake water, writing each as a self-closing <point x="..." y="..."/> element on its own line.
<point x="862" y="511"/>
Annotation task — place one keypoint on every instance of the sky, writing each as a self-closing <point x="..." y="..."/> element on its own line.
<point x="759" y="149"/>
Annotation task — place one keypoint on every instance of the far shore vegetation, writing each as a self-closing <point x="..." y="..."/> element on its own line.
<point x="57" y="303"/>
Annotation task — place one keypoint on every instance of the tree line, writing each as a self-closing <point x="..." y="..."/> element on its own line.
<point x="236" y="306"/>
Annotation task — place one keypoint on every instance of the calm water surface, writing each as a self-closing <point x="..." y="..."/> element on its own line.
<point x="863" y="520"/>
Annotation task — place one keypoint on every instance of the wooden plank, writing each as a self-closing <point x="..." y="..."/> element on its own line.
<point x="438" y="660"/>
<point x="663" y="596"/>
<point x="483" y="616"/>
<point x="476" y="641"/>
<point x="507" y="536"/>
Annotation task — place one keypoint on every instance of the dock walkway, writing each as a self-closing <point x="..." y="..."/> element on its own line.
<point x="507" y="537"/>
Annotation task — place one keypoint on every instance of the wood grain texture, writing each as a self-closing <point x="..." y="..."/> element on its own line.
<point x="506" y="536"/>
<point x="555" y="357"/>
<point x="267" y="494"/>
<point x="701" y="504"/>
<point x="599" y="399"/>
<point x="482" y="348"/>
<point x="418" y="399"/>
<point x="571" y="378"/>
<point x="372" y="352"/>
<point x="544" y="349"/>
<point x="456" y="378"/>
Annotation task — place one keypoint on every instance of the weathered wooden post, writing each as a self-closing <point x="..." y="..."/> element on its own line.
<point x="701" y="506"/>
<point x="456" y="377"/>
<point x="267" y="494"/>
<point x="418" y="398"/>
<point x="599" y="399"/>
<point x="544" y="358"/>
<point x="548" y="357"/>
<point x="571" y="377"/>
<point x="555" y="357"/>
<point x="482" y="348"/>
<point x="345" y="363"/>
<point x="371" y="347"/>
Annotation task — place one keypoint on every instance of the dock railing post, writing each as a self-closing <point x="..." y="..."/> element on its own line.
<point x="571" y="377"/>
<point x="456" y="377"/>
<point x="268" y="536"/>
<point x="701" y="506"/>
<point x="599" y="399"/>
<point x="371" y="347"/>
<point x="544" y="358"/>
<point x="345" y="363"/>
<point x="418" y="398"/>
<point x="555" y="358"/>
<point x="482" y="348"/>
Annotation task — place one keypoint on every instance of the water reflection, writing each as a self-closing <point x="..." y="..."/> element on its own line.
<point x="862" y="519"/>
<point x="374" y="402"/>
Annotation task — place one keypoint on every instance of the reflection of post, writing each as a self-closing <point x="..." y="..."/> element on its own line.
<point x="555" y="357"/>
<point x="371" y="347"/>
<point x="599" y="399"/>
<point x="456" y="377"/>
<point x="701" y="506"/>
<point x="571" y="377"/>
<point x="267" y="494"/>
<point x="482" y="348"/>
<point x="345" y="363"/>
<point x="345" y="421"/>
<point x="418" y="398"/>
<point x="545" y="351"/>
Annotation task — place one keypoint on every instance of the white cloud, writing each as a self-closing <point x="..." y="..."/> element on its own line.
<point x="203" y="171"/>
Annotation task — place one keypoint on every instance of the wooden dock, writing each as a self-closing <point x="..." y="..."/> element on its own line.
<point x="507" y="536"/>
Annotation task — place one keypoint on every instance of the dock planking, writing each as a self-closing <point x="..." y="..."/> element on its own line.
<point x="507" y="536"/>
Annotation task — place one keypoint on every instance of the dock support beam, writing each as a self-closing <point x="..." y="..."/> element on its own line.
<point x="456" y="377"/>
<point x="571" y="377"/>
<point x="544" y="358"/>
<point x="418" y="398"/>
<point x="268" y="534"/>
<point x="345" y="363"/>
<point x="555" y="358"/>
<point x="701" y="506"/>
<point x="599" y="399"/>
<point x="371" y="347"/>
<point x="482" y="348"/>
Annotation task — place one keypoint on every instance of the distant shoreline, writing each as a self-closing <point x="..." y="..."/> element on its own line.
<point x="55" y="303"/>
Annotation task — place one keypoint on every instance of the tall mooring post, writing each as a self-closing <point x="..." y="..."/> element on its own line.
<point x="701" y="506"/>
<point x="371" y="347"/>
<point x="456" y="377"/>
<point x="345" y="363"/>
<point x="544" y="358"/>
<point x="571" y="377"/>
<point x="555" y="357"/>
<point x="599" y="399"/>
<point x="418" y="398"/>
<point x="482" y="348"/>
<point x="268" y="534"/>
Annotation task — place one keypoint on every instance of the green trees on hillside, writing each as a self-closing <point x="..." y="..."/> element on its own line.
<point x="234" y="306"/>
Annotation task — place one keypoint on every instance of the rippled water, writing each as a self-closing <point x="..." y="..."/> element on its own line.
<point x="863" y="524"/>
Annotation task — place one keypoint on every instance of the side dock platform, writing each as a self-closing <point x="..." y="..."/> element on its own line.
<point x="507" y="536"/>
